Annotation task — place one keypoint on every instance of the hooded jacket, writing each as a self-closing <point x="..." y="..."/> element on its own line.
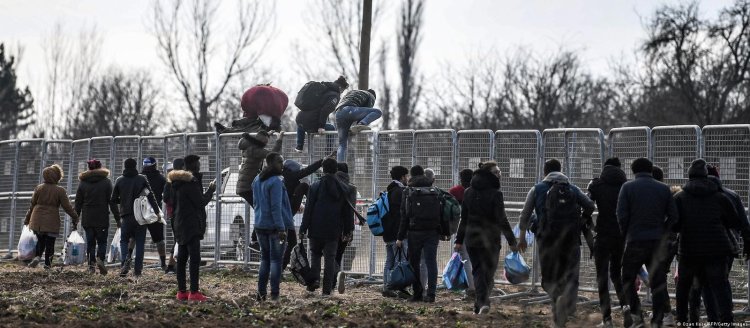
<point x="189" y="206"/>
<point x="415" y="181"/>
<point x="642" y="206"/>
<point x="392" y="219"/>
<point x="44" y="213"/>
<point x="351" y="197"/>
<point x="127" y="188"/>
<point x="327" y="215"/>
<point x="253" y="154"/>
<point x="311" y="121"/>
<point x="357" y="98"/>
<point x="272" y="208"/>
<point x="536" y="197"/>
<point x="604" y="190"/>
<point x="156" y="181"/>
<point x="93" y="199"/>
<point x="293" y="173"/>
<point x="483" y="218"/>
<point x="744" y="228"/>
<point x="705" y="215"/>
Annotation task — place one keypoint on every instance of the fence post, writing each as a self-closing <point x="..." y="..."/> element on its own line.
<point x="375" y="155"/>
<point x="14" y="172"/>
<point x="217" y="194"/>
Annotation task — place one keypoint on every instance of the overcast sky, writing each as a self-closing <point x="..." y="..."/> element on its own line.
<point x="602" y="30"/>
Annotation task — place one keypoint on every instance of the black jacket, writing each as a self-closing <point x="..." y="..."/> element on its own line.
<point x="392" y="219"/>
<point x="744" y="228"/>
<point x="357" y="98"/>
<point x="483" y="218"/>
<point x="604" y="191"/>
<point x="705" y="216"/>
<point x="326" y="211"/>
<point x="645" y="209"/>
<point x="291" y="182"/>
<point x="418" y="181"/>
<point x="156" y="181"/>
<point x="93" y="199"/>
<point x="127" y="188"/>
<point x="189" y="206"/>
<point x="351" y="195"/>
<point x="313" y="120"/>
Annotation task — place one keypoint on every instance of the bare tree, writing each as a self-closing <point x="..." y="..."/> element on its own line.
<point x="189" y="56"/>
<point x="409" y="37"/>
<point x="385" y="100"/>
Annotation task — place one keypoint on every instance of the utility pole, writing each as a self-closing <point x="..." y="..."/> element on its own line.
<point x="364" y="45"/>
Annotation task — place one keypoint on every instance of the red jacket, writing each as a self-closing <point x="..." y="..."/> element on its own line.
<point x="458" y="193"/>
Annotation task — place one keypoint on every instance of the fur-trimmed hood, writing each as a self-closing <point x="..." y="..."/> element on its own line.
<point x="53" y="174"/>
<point x="94" y="175"/>
<point x="177" y="176"/>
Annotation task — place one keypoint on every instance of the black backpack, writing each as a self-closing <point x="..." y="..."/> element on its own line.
<point x="425" y="208"/>
<point x="562" y="214"/>
<point x="299" y="266"/>
<point x="310" y="97"/>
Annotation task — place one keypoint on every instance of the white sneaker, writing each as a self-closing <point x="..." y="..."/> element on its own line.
<point x="668" y="320"/>
<point x="484" y="310"/>
<point x="357" y="128"/>
<point x="606" y="324"/>
<point x="35" y="262"/>
<point x="341" y="279"/>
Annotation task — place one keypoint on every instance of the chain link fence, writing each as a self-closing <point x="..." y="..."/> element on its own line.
<point x="519" y="153"/>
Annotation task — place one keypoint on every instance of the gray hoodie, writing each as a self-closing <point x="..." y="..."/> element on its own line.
<point x="530" y="205"/>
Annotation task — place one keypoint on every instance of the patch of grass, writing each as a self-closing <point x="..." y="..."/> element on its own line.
<point x="113" y="292"/>
<point x="128" y="307"/>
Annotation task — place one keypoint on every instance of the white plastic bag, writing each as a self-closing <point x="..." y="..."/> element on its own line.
<point x="142" y="210"/>
<point x="27" y="244"/>
<point x="74" y="252"/>
<point x="176" y="247"/>
<point x="113" y="255"/>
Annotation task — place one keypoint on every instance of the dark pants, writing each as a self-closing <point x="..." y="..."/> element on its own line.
<point x="426" y="241"/>
<point x="327" y="249"/>
<point x="484" y="264"/>
<point x="560" y="262"/>
<point x="711" y="273"/>
<point x="45" y="245"/>
<point x="301" y="135"/>
<point x="156" y="230"/>
<point x="291" y="241"/>
<point x="608" y="260"/>
<point x="192" y="250"/>
<point x="96" y="243"/>
<point x="707" y="294"/>
<point x="131" y="229"/>
<point x="340" y="249"/>
<point x="650" y="253"/>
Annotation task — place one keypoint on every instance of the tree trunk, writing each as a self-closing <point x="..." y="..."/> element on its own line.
<point x="364" y="48"/>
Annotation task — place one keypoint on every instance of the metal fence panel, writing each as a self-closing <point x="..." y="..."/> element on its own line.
<point x="360" y="158"/>
<point x="629" y="144"/>
<point x="5" y="223"/>
<point x="585" y="155"/>
<point x="234" y="212"/>
<point x="176" y="146"/>
<point x="673" y="149"/>
<point x="8" y="164"/>
<point x="29" y="165"/>
<point x="102" y="148"/>
<point x="288" y="151"/>
<point x="517" y="153"/>
<point x="434" y="149"/>
<point x="204" y="145"/>
<point x="553" y="145"/>
<point x="473" y="147"/>
<point x="58" y="152"/>
<point x="80" y="154"/>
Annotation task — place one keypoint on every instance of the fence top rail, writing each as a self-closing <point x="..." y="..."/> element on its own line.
<point x="726" y="126"/>
<point x="675" y="127"/>
<point x="396" y="132"/>
<point x="152" y="137"/>
<point x="172" y="135"/>
<point x="434" y="131"/>
<point x="554" y="130"/>
<point x="199" y="134"/>
<point x="101" y="138"/>
<point x="474" y="131"/>
<point x="12" y="141"/>
<point x="518" y="131"/>
<point x="31" y="140"/>
<point x="58" y="141"/>
<point x="127" y="137"/>
<point x="629" y="128"/>
<point x="81" y="141"/>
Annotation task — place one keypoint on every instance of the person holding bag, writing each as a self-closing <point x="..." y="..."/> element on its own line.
<point x="483" y="222"/>
<point x="93" y="205"/>
<point x="43" y="217"/>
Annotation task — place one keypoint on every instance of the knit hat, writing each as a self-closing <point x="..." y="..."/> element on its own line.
<point x="372" y="92"/>
<point x="416" y="170"/>
<point x="178" y="163"/>
<point x="130" y="163"/>
<point x="698" y="169"/>
<point x="292" y="165"/>
<point x="341" y="81"/>
<point x="149" y="161"/>
<point x="614" y="161"/>
<point x="712" y="170"/>
<point x="94" y="164"/>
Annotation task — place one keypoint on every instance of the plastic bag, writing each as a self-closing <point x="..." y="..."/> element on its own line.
<point x="176" y="247"/>
<point x="142" y="210"/>
<point x="74" y="252"/>
<point x="529" y="235"/>
<point x="454" y="275"/>
<point x="516" y="269"/>
<point x="113" y="255"/>
<point x="27" y="244"/>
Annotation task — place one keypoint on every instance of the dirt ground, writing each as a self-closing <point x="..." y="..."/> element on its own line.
<point x="71" y="297"/>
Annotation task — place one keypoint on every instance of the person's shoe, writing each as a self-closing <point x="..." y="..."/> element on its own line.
<point x="389" y="293"/>
<point x="357" y="128"/>
<point x="92" y="269"/>
<point x="606" y="324"/>
<point x="429" y="299"/>
<point x="260" y="297"/>
<point x="34" y="262"/>
<point x="313" y="286"/>
<point x="220" y="128"/>
<point x="668" y="320"/>
<point x="182" y="296"/>
<point x="197" y="297"/>
<point x="627" y="319"/>
<point x="274" y="298"/>
<point x="484" y="310"/>
<point x="341" y="282"/>
<point x="415" y="298"/>
<point x="137" y="274"/>
<point x="125" y="267"/>
<point x="325" y="294"/>
<point x="101" y="266"/>
<point x="47" y="267"/>
<point x="169" y="269"/>
<point x="402" y="294"/>
<point x="637" y="321"/>
<point x="299" y="149"/>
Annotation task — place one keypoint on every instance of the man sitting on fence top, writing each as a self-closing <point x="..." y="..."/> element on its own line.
<point x="642" y="206"/>
<point x="557" y="205"/>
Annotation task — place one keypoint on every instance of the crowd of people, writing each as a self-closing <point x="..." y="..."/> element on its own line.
<point x="640" y="223"/>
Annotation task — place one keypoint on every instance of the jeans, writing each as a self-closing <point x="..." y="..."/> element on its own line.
<point x="426" y="241"/>
<point x="711" y="273"/>
<point x="650" y="253"/>
<point x="271" y="252"/>
<point x="96" y="243"/>
<point x="131" y="229"/>
<point x="390" y="259"/>
<point x="484" y="262"/>
<point x="327" y="249"/>
<point x="192" y="250"/>
<point x="45" y="245"/>
<point x="301" y="134"/>
<point x="348" y="116"/>
<point x="560" y="265"/>
<point x="608" y="260"/>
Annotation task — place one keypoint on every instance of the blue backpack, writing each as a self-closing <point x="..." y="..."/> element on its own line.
<point x="375" y="213"/>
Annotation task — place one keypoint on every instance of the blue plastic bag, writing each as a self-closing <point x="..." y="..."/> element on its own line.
<point x="401" y="274"/>
<point x="516" y="269"/>
<point x="454" y="275"/>
<point x="529" y="235"/>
